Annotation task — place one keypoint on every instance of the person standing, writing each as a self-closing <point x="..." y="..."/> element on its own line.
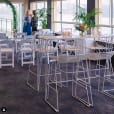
<point x="27" y="28"/>
<point x="34" y="21"/>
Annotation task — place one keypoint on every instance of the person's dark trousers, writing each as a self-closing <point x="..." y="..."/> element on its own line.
<point x="34" y="29"/>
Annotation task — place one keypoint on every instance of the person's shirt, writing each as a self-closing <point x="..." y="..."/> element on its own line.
<point x="34" y="21"/>
<point x="27" y="25"/>
<point x="27" y="20"/>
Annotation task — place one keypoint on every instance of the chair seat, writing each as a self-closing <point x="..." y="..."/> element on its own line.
<point x="96" y="47"/>
<point x="68" y="59"/>
<point x="69" y="48"/>
<point x="3" y="45"/>
<point x="73" y="49"/>
<point x="99" y="56"/>
<point x="26" y="49"/>
<point x="49" y="49"/>
<point x="6" y="50"/>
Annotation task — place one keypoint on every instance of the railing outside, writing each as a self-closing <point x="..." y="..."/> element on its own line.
<point x="6" y="26"/>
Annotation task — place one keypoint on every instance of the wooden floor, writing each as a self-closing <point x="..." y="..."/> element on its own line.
<point x="19" y="98"/>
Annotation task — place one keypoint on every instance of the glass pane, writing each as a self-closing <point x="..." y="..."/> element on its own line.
<point x="57" y="27"/>
<point x="70" y="26"/>
<point x="5" y="11"/>
<point x="105" y="30"/>
<point x="7" y="17"/>
<point x="9" y="25"/>
<point x="68" y="10"/>
<point x="19" y="10"/>
<point x="65" y="11"/>
<point x="41" y="5"/>
<point x="4" y="25"/>
<point x="57" y="10"/>
<point x="113" y="13"/>
<point x="105" y="15"/>
<point x="83" y="4"/>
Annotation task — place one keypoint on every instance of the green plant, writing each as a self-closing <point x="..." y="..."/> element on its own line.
<point x="8" y="2"/>
<point x="86" y="19"/>
<point x="42" y="16"/>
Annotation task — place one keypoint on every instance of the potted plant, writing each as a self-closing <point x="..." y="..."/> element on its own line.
<point x="86" y="21"/>
<point x="42" y="16"/>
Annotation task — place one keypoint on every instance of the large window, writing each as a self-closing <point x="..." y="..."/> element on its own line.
<point x="64" y="12"/>
<point x="107" y="16"/>
<point x="6" y="17"/>
<point x="37" y="6"/>
<point x="68" y="10"/>
<point x="105" y="12"/>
